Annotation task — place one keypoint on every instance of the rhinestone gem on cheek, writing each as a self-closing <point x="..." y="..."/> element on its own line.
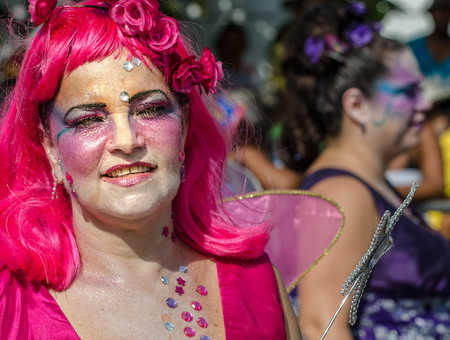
<point x="202" y="290"/>
<point x="196" y="305"/>
<point x="205" y="337"/>
<point x="171" y="303"/>
<point x="169" y="326"/>
<point x="183" y="269"/>
<point x="165" y="279"/>
<point x="202" y="322"/>
<point x="189" y="332"/>
<point x="186" y="316"/>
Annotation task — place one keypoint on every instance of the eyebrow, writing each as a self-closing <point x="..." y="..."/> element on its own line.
<point x="103" y="105"/>
<point x="392" y="89"/>
<point x="85" y="106"/>
<point x="145" y="93"/>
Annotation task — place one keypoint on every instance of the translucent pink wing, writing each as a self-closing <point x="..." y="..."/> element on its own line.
<point x="304" y="227"/>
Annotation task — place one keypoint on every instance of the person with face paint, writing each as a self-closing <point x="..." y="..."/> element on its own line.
<point x="111" y="219"/>
<point x="353" y="103"/>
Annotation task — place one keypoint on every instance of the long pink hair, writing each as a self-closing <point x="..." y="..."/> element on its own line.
<point x="36" y="232"/>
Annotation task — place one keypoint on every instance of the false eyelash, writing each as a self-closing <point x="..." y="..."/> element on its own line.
<point x="79" y="120"/>
<point x="151" y="107"/>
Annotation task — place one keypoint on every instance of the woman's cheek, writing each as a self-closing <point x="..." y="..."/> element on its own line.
<point x="81" y="151"/>
<point x="165" y="134"/>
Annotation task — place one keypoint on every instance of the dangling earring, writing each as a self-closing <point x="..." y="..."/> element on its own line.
<point x="181" y="158"/>
<point x="55" y="186"/>
<point x="70" y="181"/>
<point x="363" y="128"/>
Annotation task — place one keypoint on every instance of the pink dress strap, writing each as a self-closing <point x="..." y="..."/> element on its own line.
<point x="29" y="311"/>
<point x="251" y="304"/>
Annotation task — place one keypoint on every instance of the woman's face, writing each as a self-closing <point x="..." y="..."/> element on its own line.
<point x="122" y="151"/>
<point x="398" y="104"/>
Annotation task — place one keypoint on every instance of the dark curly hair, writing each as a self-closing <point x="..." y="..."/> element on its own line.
<point x="312" y="100"/>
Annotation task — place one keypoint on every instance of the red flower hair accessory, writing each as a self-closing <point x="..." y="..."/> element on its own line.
<point x="142" y="20"/>
<point x="212" y="71"/>
<point x="134" y="17"/>
<point x="186" y="74"/>
<point x="41" y="10"/>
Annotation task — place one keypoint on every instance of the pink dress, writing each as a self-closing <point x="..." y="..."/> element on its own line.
<point x="249" y="293"/>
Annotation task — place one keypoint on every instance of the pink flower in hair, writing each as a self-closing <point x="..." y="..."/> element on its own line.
<point x="134" y="16"/>
<point x="186" y="74"/>
<point x="41" y="10"/>
<point x="164" y="34"/>
<point x="212" y="71"/>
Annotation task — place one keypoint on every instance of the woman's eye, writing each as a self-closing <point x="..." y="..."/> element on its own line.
<point x="411" y="91"/>
<point x="153" y="109"/>
<point x="86" y="120"/>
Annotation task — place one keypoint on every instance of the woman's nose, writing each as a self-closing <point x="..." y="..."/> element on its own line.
<point x="125" y="137"/>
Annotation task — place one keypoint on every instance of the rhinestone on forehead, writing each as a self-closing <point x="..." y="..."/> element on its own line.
<point x="124" y="96"/>
<point x="128" y="66"/>
<point x="136" y="61"/>
<point x="183" y="269"/>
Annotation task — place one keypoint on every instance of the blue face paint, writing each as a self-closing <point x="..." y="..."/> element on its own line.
<point x="60" y="133"/>
<point x="411" y="90"/>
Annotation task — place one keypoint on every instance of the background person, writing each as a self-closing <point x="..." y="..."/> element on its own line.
<point x="353" y="102"/>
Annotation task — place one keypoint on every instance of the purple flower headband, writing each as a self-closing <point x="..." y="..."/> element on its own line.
<point x="143" y="20"/>
<point x="358" y="34"/>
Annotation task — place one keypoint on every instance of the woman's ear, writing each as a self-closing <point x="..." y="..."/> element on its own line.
<point x="354" y="103"/>
<point x="52" y="153"/>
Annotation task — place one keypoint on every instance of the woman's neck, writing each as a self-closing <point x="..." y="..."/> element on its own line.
<point x="126" y="248"/>
<point x="352" y="156"/>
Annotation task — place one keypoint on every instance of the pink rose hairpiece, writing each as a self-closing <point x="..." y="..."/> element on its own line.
<point x="41" y="10"/>
<point x="143" y="20"/>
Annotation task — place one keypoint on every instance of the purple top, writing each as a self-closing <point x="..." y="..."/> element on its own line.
<point x="248" y="289"/>
<point x="409" y="287"/>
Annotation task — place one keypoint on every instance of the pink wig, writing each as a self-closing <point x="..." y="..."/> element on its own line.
<point x="36" y="232"/>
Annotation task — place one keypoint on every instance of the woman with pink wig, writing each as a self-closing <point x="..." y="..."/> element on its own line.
<point x="111" y="221"/>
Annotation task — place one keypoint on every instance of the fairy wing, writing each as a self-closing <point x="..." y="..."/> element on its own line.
<point x="304" y="227"/>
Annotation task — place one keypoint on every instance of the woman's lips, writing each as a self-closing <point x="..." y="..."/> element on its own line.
<point x="127" y="175"/>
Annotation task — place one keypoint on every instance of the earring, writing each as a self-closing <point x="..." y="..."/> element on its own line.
<point x="70" y="181"/>
<point x="363" y="128"/>
<point x="55" y="186"/>
<point x="181" y="158"/>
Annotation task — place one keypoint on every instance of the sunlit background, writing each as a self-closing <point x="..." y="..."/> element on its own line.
<point x="261" y="21"/>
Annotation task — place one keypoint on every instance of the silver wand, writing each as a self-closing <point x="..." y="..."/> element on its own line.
<point x="381" y="243"/>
